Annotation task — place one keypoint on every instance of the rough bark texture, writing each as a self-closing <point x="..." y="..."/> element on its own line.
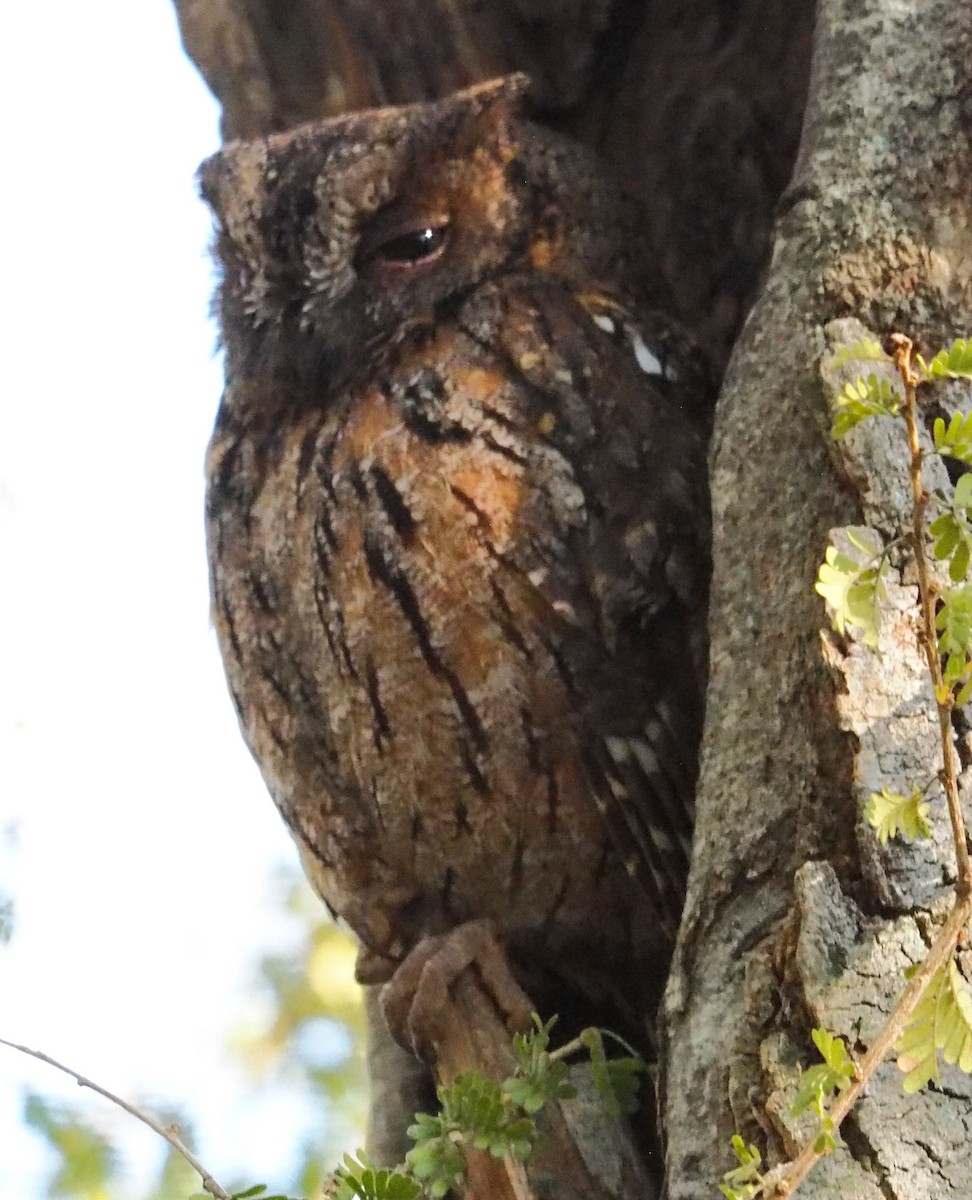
<point x="795" y="916"/>
<point x="697" y="103"/>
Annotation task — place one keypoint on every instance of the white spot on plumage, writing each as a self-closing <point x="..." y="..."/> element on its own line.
<point x="648" y="362"/>
<point x="647" y="758"/>
<point x="603" y="321"/>
<point x="660" y="838"/>
<point x="618" y="748"/>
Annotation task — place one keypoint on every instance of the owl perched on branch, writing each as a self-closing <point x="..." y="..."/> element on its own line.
<point x="457" y="530"/>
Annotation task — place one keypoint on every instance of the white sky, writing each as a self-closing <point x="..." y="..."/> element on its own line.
<point x="140" y="836"/>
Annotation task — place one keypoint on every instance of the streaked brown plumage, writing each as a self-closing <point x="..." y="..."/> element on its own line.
<point x="458" y="535"/>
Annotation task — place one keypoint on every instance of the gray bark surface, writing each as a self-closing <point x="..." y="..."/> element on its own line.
<point x="795" y="916"/>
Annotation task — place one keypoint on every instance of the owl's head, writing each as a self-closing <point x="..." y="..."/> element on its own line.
<point x="343" y="235"/>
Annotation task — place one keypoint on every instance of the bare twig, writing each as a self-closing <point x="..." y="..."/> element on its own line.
<point x="164" y="1131"/>
<point x="943" y="696"/>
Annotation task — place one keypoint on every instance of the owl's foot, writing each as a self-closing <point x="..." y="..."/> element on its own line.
<point x="420" y="1003"/>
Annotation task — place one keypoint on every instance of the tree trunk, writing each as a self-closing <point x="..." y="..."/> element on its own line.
<point x="795" y="917"/>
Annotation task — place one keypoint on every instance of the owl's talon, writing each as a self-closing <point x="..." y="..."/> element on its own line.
<point x="372" y="967"/>
<point x="416" y="1001"/>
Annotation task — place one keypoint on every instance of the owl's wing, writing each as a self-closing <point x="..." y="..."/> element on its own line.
<point x="623" y="401"/>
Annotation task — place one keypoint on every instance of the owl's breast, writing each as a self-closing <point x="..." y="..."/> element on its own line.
<point x="428" y="597"/>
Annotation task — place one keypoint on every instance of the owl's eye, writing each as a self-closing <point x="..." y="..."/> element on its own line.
<point x="404" y="248"/>
<point x="412" y="248"/>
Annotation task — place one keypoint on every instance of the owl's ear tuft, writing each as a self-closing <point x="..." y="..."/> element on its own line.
<point x="233" y="183"/>
<point x="508" y="90"/>
<point x="481" y="111"/>
<point x="492" y="102"/>
<point x="206" y="179"/>
<point x="211" y="176"/>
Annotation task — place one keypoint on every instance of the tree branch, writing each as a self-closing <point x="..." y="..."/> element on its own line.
<point x="165" y="1131"/>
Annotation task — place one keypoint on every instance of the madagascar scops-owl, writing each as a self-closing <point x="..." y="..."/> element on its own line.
<point x="457" y="530"/>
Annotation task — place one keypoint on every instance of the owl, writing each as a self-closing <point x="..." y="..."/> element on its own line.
<point x="457" y="532"/>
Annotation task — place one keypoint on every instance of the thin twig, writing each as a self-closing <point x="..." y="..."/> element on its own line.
<point x="943" y="696"/>
<point x="579" y="1043"/>
<point x="784" y="1180"/>
<point x="574" y="1046"/>
<point x="165" y="1131"/>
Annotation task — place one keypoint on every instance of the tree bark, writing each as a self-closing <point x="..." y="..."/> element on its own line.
<point x="795" y="917"/>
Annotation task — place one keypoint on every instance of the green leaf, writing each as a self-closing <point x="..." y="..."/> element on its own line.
<point x="888" y="812"/>
<point x="963" y="492"/>
<point x="957" y="674"/>
<point x="616" y="1079"/>
<point x="941" y="1022"/>
<point x="952" y="531"/>
<point x="539" y="1078"/>
<point x="945" y="534"/>
<point x="496" y="1119"/>
<point x="956" y="1033"/>
<point x="438" y="1163"/>
<point x="357" y="1177"/>
<point x="953" y="363"/>
<point x="863" y="351"/>
<point x="958" y="568"/>
<point x="954" y="622"/>
<point x="834" y="1053"/>
<point x="475" y="1112"/>
<point x="865" y="540"/>
<point x="826" y="1139"/>
<point x="955" y="439"/>
<point x="821" y="1081"/>
<point x="870" y="397"/>
<point x="531" y="1094"/>
<point x="742" y="1182"/>
<point x="853" y="586"/>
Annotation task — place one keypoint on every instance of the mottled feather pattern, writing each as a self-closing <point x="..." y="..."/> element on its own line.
<point x="458" y="534"/>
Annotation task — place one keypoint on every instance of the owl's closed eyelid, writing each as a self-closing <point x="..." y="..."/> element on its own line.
<point x="385" y="237"/>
